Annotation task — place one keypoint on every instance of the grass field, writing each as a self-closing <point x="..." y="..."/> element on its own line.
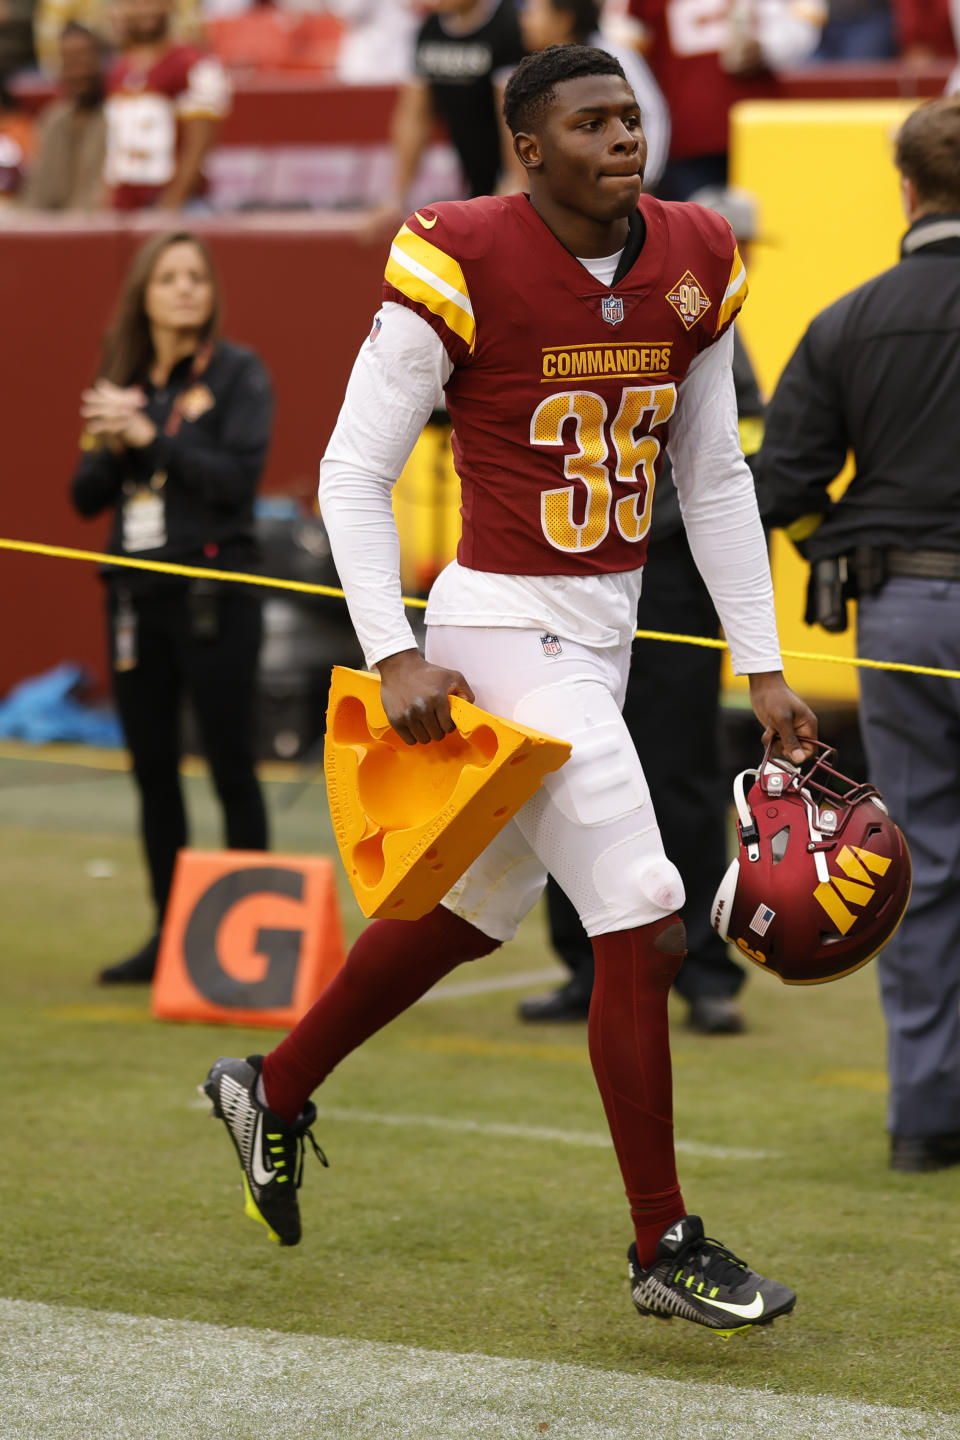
<point x="472" y="1207"/>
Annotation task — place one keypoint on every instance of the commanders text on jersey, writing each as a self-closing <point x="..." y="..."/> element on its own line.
<point x="605" y="360"/>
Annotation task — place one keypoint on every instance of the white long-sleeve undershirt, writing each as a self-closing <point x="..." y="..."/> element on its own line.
<point x="395" y="385"/>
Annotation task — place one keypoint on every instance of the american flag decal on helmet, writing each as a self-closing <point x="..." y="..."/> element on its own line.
<point x="761" y="920"/>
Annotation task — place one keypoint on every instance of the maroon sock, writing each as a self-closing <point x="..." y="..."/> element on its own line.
<point x="630" y="1052"/>
<point x="391" y="965"/>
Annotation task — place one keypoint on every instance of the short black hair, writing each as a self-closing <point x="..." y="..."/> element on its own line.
<point x="530" y="89"/>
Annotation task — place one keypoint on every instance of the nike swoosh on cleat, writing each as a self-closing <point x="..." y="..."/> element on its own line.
<point x="252" y="1212"/>
<point x="262" y="1176"/>
<point x="753" y="1311"/>
<point x="427" y="224"/>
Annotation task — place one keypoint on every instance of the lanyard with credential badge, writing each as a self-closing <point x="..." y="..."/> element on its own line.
<point x="144" y="521"/>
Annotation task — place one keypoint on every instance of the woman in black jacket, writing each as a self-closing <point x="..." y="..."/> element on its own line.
<point x="176" y="433"/>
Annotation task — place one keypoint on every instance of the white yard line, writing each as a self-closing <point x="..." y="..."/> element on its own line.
<point x="594" y="1140"/>
<point x="591" y="1139"/>
<point x="454" y="990"/>
<point x="69" y="1374"/>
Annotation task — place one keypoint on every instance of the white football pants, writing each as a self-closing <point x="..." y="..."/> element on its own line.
<point x="591" y="824"/>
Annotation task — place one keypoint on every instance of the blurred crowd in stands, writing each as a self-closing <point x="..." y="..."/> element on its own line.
<point x="117" y="104"/>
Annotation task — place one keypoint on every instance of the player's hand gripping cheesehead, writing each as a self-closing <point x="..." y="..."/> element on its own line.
<point x="416" y="696"/>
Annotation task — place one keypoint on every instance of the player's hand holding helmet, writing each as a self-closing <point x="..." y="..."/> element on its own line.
<point x="822" y="877"/>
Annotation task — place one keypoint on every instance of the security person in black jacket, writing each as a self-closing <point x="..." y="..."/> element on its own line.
<point x="879" y="373"/>
<point x="176" y="435"/>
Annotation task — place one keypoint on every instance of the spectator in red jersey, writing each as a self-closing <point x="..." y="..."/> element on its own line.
<point x="924" y="29"/>
<point x="706" y="55"/>
<point x="164" y="103"/>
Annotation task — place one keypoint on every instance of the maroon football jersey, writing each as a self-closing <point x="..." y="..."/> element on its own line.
<point x="686" y="39"/>
<point x="563" y="389"/>
<point x="144" y="112"/>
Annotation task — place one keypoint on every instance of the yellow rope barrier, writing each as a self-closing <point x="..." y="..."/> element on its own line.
<point x="808" y="655"/>
<point x="305" y="587"/>
<point x="192" y="572"/>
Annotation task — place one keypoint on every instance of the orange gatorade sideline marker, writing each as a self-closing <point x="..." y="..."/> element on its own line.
<point x="249" y="938"/>
<point x="410" y="819"/>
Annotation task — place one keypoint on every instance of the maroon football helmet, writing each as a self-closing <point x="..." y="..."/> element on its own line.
<point x="822" y="877"/>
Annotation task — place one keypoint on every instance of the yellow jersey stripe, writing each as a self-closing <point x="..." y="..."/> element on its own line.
<point x="432" y="258"/>
<point x="735" y="293"/>
<point x="426" y="275"/>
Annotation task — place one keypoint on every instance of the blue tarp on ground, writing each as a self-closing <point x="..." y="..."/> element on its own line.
<point x="46" y="708"/>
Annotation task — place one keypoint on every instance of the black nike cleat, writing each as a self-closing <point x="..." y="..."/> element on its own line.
<point x="697" y="1279"/>
<point x="270" y="1150"/>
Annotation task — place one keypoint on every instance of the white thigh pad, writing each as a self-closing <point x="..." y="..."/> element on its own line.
<point x="603" y="779"/>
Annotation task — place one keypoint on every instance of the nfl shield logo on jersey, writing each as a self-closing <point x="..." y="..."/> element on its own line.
<point x="611" y="308"/>
<point x="551" y="645"/>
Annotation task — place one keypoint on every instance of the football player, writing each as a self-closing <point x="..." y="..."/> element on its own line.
<point x="573" y="330"/>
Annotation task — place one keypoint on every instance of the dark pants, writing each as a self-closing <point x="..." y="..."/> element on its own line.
<point x="683" y="178"/>
<point x="218" y="672"/>
<point x="672" y="713"/>
<point x="869" y="37"/>
<point x="911" y="735"/>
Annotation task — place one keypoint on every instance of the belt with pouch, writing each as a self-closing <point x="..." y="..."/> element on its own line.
<point x="924" y="564"/>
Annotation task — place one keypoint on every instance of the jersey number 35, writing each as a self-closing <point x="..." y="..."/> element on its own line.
<point x="632" y="462"/>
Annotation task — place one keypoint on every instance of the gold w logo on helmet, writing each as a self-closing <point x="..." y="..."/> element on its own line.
<point x="855" y="888"/>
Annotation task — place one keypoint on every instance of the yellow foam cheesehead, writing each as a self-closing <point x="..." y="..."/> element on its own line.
<point x="410" y="819"/>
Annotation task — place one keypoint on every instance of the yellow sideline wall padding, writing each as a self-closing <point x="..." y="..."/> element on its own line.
<point x="829" y="203"/>
<point x="426" y="506"/>
<point x="410" y="819"/>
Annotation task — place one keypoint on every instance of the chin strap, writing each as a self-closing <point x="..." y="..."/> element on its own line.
<point x="748" y="829"/>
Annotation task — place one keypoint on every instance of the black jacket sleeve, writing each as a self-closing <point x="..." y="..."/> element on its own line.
<point x="805" y="440"/>
<point x="97" y="481"/>
<point x="223" y="471"/>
